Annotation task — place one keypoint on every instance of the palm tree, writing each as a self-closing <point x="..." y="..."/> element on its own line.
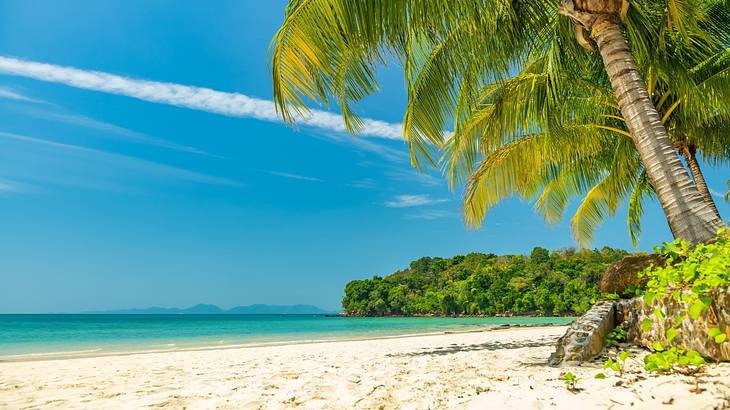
<point x="584" y="148"/>
<point x="329" y="50"/>
<point x="689" y="216"/>
<point x="590" y="156"/>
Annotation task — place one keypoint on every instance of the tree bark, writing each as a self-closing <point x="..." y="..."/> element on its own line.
<point x="689" y="217"/>
<point x="690" y="155"/>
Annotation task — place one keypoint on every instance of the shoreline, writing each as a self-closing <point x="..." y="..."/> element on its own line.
<point x="506" y="368"/>
<point x="437" y="315"/>
<point x="93" y="353"/>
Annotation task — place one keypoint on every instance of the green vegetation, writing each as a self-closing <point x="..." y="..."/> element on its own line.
<point x="583" y="149"/>
<point x="543" y="283"/>
<point x="570" y="123"/>
<point x="691" y="277"/>
<point x="616" y="336"/>
<point x="673" y="360"/>
<point x="618" y="364"/>
<point x="570" y="381"/>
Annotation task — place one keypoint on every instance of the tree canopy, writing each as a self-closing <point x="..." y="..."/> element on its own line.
<point x="453" y="52"/>
<point x="578" y="144"/>
<point x="542" y="283"/>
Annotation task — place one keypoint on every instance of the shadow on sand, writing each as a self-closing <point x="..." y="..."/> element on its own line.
<point x="457" y="348"/>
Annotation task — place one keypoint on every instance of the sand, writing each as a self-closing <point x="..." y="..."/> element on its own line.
<point x="478" y="370"/>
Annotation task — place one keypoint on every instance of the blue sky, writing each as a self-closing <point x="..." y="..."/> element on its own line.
<point x="118" y="193"/>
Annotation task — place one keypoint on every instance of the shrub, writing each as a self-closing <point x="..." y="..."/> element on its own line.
<point x="691" y="276"/>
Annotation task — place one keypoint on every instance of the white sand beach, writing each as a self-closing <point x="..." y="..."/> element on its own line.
<point x="478" y="370"/>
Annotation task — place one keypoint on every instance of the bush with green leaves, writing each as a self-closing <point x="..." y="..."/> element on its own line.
<point x="615" y="336"/>
<point x="692" y="277"/>
<point x="571" y="381"/>
<point x="618" y="364"/>
<point x="673" y="360"/>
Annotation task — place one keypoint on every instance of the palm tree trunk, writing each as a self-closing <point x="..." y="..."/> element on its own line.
<point x="689" y="217"/>
<point x="690" y="155"/>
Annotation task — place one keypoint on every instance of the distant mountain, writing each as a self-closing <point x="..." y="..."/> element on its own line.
<point x="204" y="309"/>
<point x="276" y="310"/>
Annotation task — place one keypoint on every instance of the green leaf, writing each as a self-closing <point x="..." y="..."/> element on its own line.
<point x="696" y="310"/>
<point x="646" y="324"/>
<point x="600" y="376"/>
<point x="659" y="314"/>
<point x="608" y="364"/>
<point x="714" y="332"/>
<point x="658" y="346"/>
<point x="720" y="338"/>
<point x="695" y="358"/>
<point x="671" y="334"/>
<point x="624" y="355"/>
<point x="649" y="297"/>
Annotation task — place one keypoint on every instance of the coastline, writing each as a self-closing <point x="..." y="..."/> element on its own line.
<point x="92" y="353"/>
<point x="471" y="370"/>
<point x="460" y="315"/>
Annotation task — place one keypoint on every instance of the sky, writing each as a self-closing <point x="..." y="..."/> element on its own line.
<point x="142" y="164"/>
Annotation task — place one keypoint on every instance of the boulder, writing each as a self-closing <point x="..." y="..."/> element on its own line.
<point x="586" y="336"/>
<point x="624" y="273"/>
<point x="693" y="334"/>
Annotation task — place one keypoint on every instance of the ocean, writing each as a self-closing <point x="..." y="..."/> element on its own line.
<point x="63" y="335"/>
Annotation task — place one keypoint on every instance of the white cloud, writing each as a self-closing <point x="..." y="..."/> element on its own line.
<point x="108" y="128"/>
<point x="88" y="157"/>
<point x="410" y="175"/>
<point x="294" y="176"/>
<point x="13" y="95"/>
<point x="431" y="214"/>
<point x="196" y="98"/>
<point x="9" y="187"/>
<point x="365" y="145"/>
<point x="407" y="201"/>
<point x="364" y="183"/>
<point x="717" y="194"/>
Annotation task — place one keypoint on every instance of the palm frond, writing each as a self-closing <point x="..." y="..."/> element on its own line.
<point x="642" y="191"/>
<point x="532" y="114"/>
<point x="604" y="198"/>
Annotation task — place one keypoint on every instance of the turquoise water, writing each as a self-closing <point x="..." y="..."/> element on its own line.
<point x="103" y="334"/>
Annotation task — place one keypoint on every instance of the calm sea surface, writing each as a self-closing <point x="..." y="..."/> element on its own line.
<point x="102" y="334"/>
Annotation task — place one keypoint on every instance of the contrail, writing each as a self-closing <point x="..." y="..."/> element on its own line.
<point x="179" y="95"/>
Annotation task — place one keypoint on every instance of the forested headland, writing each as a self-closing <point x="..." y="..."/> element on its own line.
<point x="561" y="282"/>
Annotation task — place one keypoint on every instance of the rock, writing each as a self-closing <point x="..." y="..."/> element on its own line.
<point x="586" y="336"/>
<point x="624" y="273"/>
<point x="693" y="334"/>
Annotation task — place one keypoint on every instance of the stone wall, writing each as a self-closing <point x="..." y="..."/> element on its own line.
<point x="585" y="337"/>
<point x="692" y="333"/>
